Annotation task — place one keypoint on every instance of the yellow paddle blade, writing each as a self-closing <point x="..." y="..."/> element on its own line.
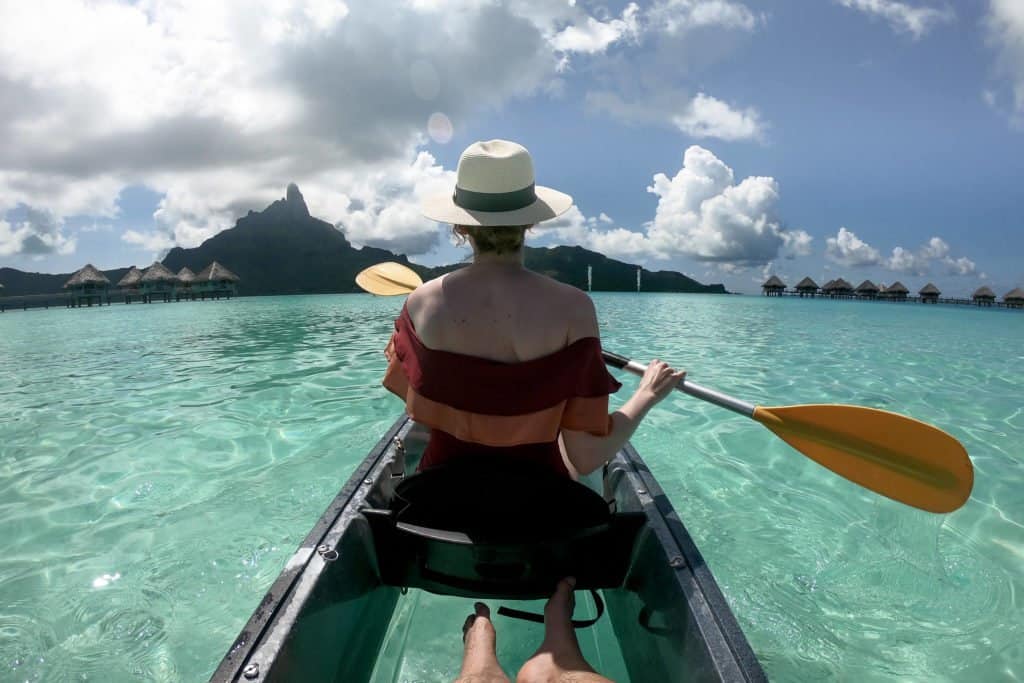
<point x="388" y="279"/>
<point x="896" y="456"/>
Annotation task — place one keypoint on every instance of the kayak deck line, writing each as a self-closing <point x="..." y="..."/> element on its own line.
<point x="329" y="613"/>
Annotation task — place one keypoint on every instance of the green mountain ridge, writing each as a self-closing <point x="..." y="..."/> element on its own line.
<point x="285" y="250"/>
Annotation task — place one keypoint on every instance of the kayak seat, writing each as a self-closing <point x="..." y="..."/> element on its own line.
<point x="486" y="528"/>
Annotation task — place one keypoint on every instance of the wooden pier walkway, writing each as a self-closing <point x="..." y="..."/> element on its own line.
<point x="900" y="300"/>
<point x="25" y="302"/>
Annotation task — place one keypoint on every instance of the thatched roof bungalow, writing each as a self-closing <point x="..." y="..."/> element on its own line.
<point x="87" y="284"/>
<point x="215" y="279"/>
<point x="87" y="278"/>
<point x="897" y="291"/>
<point x="131" y="279"/>
<point x="158" y="273"/>
<point x="807" y="287"/>
<point x="929" y="294"/>
<point x="867" y="290"/>
<point x="773" y="286"/>
<point x="838" y="287"/>
<point x="129" y="284"/>
<point x="157" y="280"/>
<point x="983" y="296"/>
<point x="186" y="278"/>
<point x="1015" y="298"/>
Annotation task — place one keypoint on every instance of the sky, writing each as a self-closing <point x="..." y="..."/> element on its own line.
<point x="726" y="139"/>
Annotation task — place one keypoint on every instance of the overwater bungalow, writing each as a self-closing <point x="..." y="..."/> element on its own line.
<point x="129" y="284"/>
<point x="929" y="294"/>
<point x="838" y="288"/>
<point x="867" y="290"/>
<point x="807" y="287"/>
<point x="1015" y="298"/>
<point x="215" y="281"/>
<point x="87" y="285"/>
<point x="896" y="292"/>
<point x="983" y="296"/>
<point x="157" y="282"/>
<point x="186" y="278"/>
<point x="773" y="286"/>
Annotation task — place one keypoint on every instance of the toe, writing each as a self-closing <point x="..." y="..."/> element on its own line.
<point x="468" y="624"/>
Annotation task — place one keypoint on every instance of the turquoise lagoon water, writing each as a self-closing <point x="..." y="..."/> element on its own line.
<point x="159" y="464"/>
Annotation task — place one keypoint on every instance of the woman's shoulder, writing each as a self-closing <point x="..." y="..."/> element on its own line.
<point x="425" y="297"/>
<point x="571" y="304"/>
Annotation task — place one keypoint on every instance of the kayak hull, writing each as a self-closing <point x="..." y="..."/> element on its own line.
<point x="327" y="615"/>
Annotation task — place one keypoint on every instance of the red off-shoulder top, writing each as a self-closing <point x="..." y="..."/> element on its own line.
<point x="476" y="406"/>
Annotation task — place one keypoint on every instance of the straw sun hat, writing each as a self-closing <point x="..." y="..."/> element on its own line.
<point x="494" y="186"/>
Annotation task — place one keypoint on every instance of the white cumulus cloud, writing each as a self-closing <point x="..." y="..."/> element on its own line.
<point x="959" y="266"/>
<point x="707" y="117"/>
<point x="593" y="36"/>
<point x="702" y="214"/>
<point x="1004" y="24"/>
<point x="935" y="248"/>
<point x="906" y="261"/>
<point x="657" y="97"/>
<point x="676" y="16"/>
<point x="38" y="234"/>
<point x="701" y="116"/>
<point x="573" y="228"/>
<point x="849" y="250"/>
<point x="218" y="105"/>
<point x="917" y="20"/>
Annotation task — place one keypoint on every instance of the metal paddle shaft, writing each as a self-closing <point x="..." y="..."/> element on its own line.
<point x="710" y="395"/>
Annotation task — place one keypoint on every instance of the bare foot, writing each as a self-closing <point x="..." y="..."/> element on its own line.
<point x="559" y="657"/>
<point x="558" y="629"/>
<point x="480" y="661"/>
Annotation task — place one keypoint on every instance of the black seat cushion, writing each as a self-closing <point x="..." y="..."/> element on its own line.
<point x="498" y="500"/>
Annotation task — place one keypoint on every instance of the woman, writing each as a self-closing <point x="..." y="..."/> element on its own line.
<point x="503" y="362"/>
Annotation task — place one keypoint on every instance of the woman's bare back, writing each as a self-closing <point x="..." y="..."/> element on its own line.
<point x="500" y="312"/>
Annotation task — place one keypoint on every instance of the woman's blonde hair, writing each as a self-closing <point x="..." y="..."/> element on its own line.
<point x="492" y="240"/>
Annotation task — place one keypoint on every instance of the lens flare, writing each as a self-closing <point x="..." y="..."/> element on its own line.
<point x="440" y="128"/>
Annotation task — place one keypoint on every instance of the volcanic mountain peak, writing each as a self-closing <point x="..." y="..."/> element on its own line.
<point x="295" y="201"/>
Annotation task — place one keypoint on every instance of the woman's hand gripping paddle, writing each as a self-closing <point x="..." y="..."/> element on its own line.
<point x="896" y="456"/>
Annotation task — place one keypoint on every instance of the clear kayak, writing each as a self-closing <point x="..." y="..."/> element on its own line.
<point x="371" y="580"/>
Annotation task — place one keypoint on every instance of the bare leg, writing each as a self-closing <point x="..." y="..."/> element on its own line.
<point x="480" y="662"/>
<point x="559" y="660"/>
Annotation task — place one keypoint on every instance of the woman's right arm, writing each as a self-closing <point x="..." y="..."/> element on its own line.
<point x="588" y="452"/>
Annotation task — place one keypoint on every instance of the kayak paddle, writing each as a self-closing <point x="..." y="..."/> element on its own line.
<point x="899" y="457"/>
<point x="891" y="454"/>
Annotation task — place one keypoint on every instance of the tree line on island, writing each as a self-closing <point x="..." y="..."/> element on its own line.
<point x="285" y="250"/>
